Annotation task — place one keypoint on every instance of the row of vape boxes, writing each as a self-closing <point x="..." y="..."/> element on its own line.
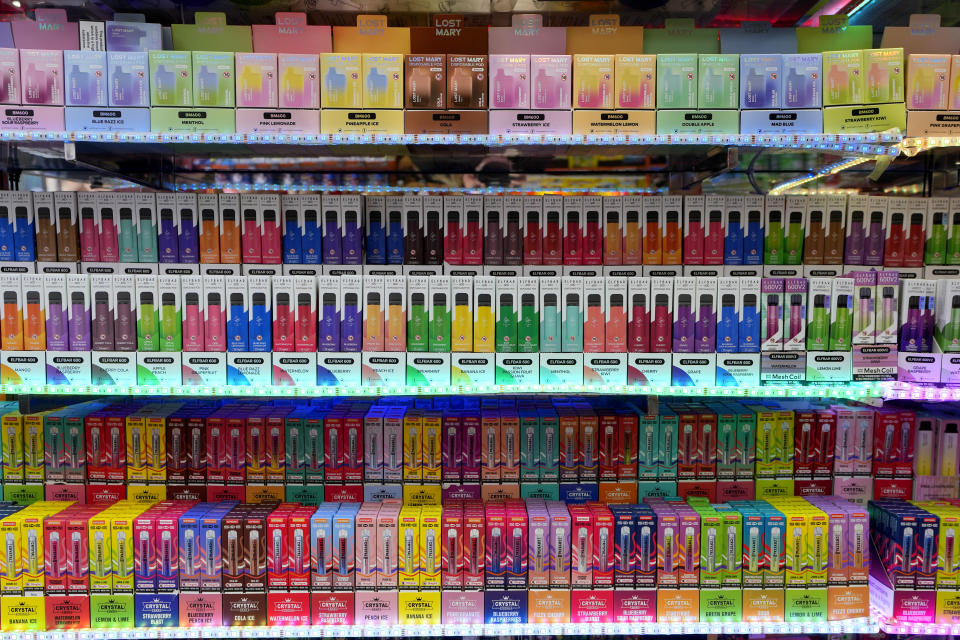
<point x="915" y="542"/>
<point x="481" y="314"/>
<point x="567" y="440"/>
<point x="60" y="548"/>
<point x="440" y="81"/>
<point x="474" y="230"/>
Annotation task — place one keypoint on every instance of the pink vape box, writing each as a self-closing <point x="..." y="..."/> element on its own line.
<point x="41" y="77"/>
<point x="288" y="609"/>
<point x="333" y="608"/>
<point x="366" y="544"/>
<point x="201" y="610"/>
<point x="451" y="535"/>
<point x="387" y="520"/>
<point x="376" y="608"/>
<point x="634" y="606"/>
<point x="509" y="82"/>
<point x="591" y="606"/>
<point x="526" y="34"/>
<point x="10" y="76"/>
<point x="256" y="75"/>
<point x="551" y="79"/>
<point x="291" y="34"/>
<point x="462" y="607"/>
<point x="49" y="30"/>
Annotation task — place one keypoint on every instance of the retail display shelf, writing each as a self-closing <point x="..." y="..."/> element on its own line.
<point x="922" y="392"/>
<point x="893" y="626"/>
<point x="849" y="391"/>
<point x="864" y="144"/>
<point x="855" y="625"/>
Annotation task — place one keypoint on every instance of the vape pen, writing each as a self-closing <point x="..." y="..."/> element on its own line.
<point x="592" y="248"/>
<point x="209" y="240"/>
<point x="230" y="237"/>
<point x="795" y="316"/>
<point x="373" y="324"/>
<point x="818" y="331"/>
<point x="532" y="240"/>
<point x="616" y="325"/>
<point x="672" y="252"/>
<point x="413" y="239"/>
<point x="639" y="328"/>
<point x="550" y="325"/>
<point x="753" y="240"/>
<point x="351" y="325"/>
<point x="188" y="246"/>
<point x="102" y="322"/>
<point x="652" y="249"/>
<point x="572" y="241"/>
<point x="473" y="239"/>
<point x="728" y="339"/>
<point x="46" y="235"/>
<point x="452" y="240"/>
<point x="271" y="245"/>
<point x="553" y="240"/>
<point x="773" y="242"/>
<point x="733" y="241"/>
<point x="632" y="239"/>
<point x="214" y="336"/>
<point x="660" y="330"/>
<point x="572" y="325"/>
<point x="613" y="240"/>
<point x="351" y="244"/>
<point x="432" y="239"/>
<point x="935" y="251"/>
<point x="528" y="325"/>
<point x="713" y="241"/>
<point x="312" y="243"/>
<point x="693" y="239"/>
<point x="512" y="242"/>
<point x="683" y="327"/>
<point x="793" y="243"/>
<point x="107" y="235"/>
<point x="89" y="243"/>
<point x="874" y="240"/>
<point x="193" y="339"/>
<point x="841" y="330"/>
<point x="813" y="244"/>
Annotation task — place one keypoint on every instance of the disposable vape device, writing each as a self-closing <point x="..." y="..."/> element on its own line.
<point x="312" y="243"/>
<point x="57" y="332"/>
<point x="733" y="240"/>
<point x="672" y="252"/>
<point x="818" y="328"/>
<point x="550" y="325"/>
<point x="192" y="322"/>
<point x="170" y="324"/>
<point x="461" y="327"/>
<point x="795" y="317"/>
<point x="329" y="336"/>
<point x="793" y="243"/>
<point x="592" y="239"/>
<point x="351" y="331"/>
<point x="854" y="246"/>
<point x="572" y="324"/>
<point x="615" y="340"/>
<point x="713" y="241"/>
<point x="512" y="240"/>
<point x="209" y="236"/>
<point x="492" y="238"/>
<point x="330" y="241"/>
<point x="47" y="234"/>
<point x="395" y="330"/>
<point x="125" y="331"/>
<point x="147" y="335"/>
<point x="432" y="237"/>
<point x="79" y="322"/>
<point x="103" y="322"/>
<point x="683" y="326"/>
<point x="189" y="242"/>
<point x="214" y="331"/>
<point x="693" y="237"/>
<point x="841" y="329"/>
<point x="107" y="235"/>
<point x="528" y="326"/>
<point x="639" y="327"/>
<point x="89" y="242"/>
<point x="773" y="241"/>
<point x="413" y="239"/>
<point x="660" y="331"/>
<point x="706" y="325"/>
<point x="553" y="239"/>
<point x="873" y="242"/>
<point x="34" y="334"/>
<point x="813" y="244"/>
<point x="12" y="339"/>
<point x="24" y="235"/>
<point x="773" y="317"/>
<point x="594" y="340"/>
<point x="632" y="239"/>
<point x="935" y="251"/>
<point x="284" y="318"/>
<point x="231" y="251"/>
<point x="376" y="238"/>
<point x="452" y="239"/>
<point x="893" y="244"/>
<point x="532" y="239"/>
<point x="506" y="331"/>
<point x="372" y="323"/>
<point x="147" y="250"/>
<point x="418" y="323"/>
<point x="439" y="324"/>
<point x="238" y="324"/>
<point x="68" y="243"/>
<point x="472" y="241"/>
<point x="251" y="237"/>
<point x="305" y="332"/>
<point x="753" y="239"/>
<point x="833" y="241"/>
<point x="728" y="325"/>
<point x="396" y="241"/>
<point x="167" y="242"/>
<point x="271" y="246"/>
<point x="572" y="240"/>
<point x="652" y="249"/>
<point x="127" y="236"/>
<point x="613" y="239"/>
<point x="913" y="244"/>
<point x="484" y="325"/>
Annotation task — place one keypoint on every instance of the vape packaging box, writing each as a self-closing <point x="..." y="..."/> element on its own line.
<point x="171" y="79"/>
<point x="865" y="307"/>
<point x="342" y="86"/>
<point x="795" y="314"/>
<point x="128" y="79"/>
<point x="677" y="81"/>
<point x="719" y="85"/>
<point x="883" y="75"/>
<point x="593" y="81"/>
<point x="772" y="331"/>
<point x="947" y="327"/>
<point x="467" y="82"/>
<point x="10" y="64"/>
<point x="256" y="75"/>
<point x="928" y="78"/>
<point x="86" y="78"/>
<point x="760" y="81"/>
<point x="843" y="81"/>
<point x="509" y="81"/>
<point x="213" y="79"/>
<point x="854" y="246"/>
<point x="551" y="81"/>
<point x="774" y="231"/>
<point x="41" y="77"/>
<point x="426" y="82"/>
<point x="801" y="81"/>
<point x="298" y="77"/>
<point x="636" y="81"/>
<point x="382" y="81"/>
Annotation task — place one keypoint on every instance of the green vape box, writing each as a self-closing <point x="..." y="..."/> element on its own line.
<point x="719" y="83"/>
<point x="214" y="84"/>
<point x="192" y="120"/>
<point x="111" y="612"/>
<point x="24" y="494"/>
<point x="721" y="605"/>
<point x="309" y="495"/>
<point x="677" y="81"/>
<point x="171" y="79"/>
<point x="806" y="605"/>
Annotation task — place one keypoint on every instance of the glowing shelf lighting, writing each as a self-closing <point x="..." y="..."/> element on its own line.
<point x="852" y="391"/>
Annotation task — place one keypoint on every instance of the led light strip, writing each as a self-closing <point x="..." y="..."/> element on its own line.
<point x="852" y="391"/>
<point x="823" y="172"/>
<point x="924" y="392"/>
<point x="378" y="189"/>
<point x="867" y="143"/>
<point x="856" y="625"/>
<point x="893" y="626"/>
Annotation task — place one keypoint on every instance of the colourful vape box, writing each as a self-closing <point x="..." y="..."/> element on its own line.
<point x="171" y="79"/>
<point x="677" y="81"/>
<point x="883" y="75"/>
<point x="551" y="81"/>
<point x="718" y="77"/>
<point x="760" y="81"/>
<point x="426" y="82"/>
<point x="256" y="80"/>
<point x="467" y="82"/>
<point x="801" y="81"/>
<point x="85" y="78"/>
<point x="636" y="81"/>
<point x="383" y="81"/>
<point x="842" y="78"/>
<point x="342" y="81"/>
<point x="298" y="77"/>
<point x="41" y="76"/>
<point x="509" y="81"/>
<point x="928" y="79"/>
<point x="213" y="79"/>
